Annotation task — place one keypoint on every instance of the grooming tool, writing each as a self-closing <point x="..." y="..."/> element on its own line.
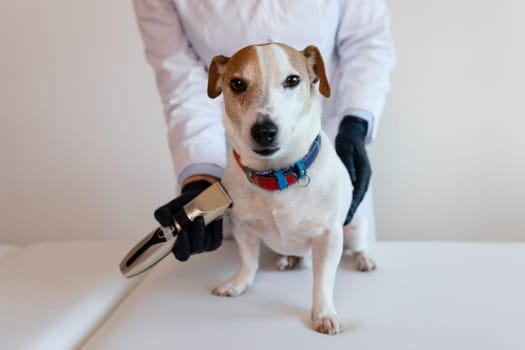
<point x="211" y="204"/>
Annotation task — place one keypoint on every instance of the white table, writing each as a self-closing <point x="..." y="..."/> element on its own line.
<point x="423" y="296"/>
<point x="56" y="295"/>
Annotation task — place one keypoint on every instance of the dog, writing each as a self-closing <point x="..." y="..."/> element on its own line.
<point x="289" y="188"/>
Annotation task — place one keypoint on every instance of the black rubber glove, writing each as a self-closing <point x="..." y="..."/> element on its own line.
<point x="350" y="146"/>
<point x="198" y="238"/>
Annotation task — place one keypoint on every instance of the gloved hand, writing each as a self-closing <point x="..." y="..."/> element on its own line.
<point x="350" y="146"/>
<point x="198" y="238"/>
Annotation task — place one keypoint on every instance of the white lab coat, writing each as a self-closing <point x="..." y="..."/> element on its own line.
<point x="182" y="36"/>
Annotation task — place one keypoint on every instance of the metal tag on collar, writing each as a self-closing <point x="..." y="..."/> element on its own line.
<point x="249" y="175"/>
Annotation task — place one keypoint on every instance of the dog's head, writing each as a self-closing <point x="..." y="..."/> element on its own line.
<point x="270" y="97"/>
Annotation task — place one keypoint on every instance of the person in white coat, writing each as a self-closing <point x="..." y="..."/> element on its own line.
<point x="181" y="37"/>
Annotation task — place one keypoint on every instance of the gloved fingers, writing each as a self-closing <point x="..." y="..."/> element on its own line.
<point x="350" y="164"/>
<point x="181" y="250"/>
<point x="213" y="237"/>
<point x="216" y="235"/>
<point x="164" y="214"/>
<point x="346" y="152"/>
<point x="363" y="172"/>
<point x="191" y="239"/>
<point x="197" y="235"/>
<point x="357" y="198"/>
<point x="349" y="217"/>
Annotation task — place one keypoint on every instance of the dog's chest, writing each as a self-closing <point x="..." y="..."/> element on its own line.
<point x="281" y="224"/>
<point x="285" y="220"/>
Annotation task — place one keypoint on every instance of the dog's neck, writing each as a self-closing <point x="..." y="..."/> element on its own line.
<point x="282" y="178"/>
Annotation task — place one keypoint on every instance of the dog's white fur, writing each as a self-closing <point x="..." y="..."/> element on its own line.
<point x="306" y="218"/>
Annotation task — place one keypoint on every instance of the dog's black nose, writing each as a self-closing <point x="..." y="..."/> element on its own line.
<point x="264" y="131"/>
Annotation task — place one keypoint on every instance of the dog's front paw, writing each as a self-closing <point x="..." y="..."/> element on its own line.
<point x="327" y="324"/>
<point x="228" y="289"/>
<point x="363" y="262"/>
<point x="287" y="262"/>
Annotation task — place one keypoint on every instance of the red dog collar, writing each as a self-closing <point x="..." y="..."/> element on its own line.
<point x="281" y="179"/>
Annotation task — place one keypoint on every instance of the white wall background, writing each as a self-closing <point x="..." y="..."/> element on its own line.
<point x="83" y="147"/>
<point x="82" y="141"/>
<point x="450" y="157"/>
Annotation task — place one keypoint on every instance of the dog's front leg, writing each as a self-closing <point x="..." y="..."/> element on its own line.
<point x="326" y="253"/>
<point x="249" y="250"/>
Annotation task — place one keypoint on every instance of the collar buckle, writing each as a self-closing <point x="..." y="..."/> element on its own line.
<point x="249" y="175"/>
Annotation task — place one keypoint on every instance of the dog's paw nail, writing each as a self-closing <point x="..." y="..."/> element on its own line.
<point x="287" y="263"/>
<point x="364" y="263"/>
<point x="328" y="324"/>
<point x="227" y="290"/>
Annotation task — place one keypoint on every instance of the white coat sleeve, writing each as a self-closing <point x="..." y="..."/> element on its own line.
<point x="367" y="56"/>
<point x="194" y="121"/>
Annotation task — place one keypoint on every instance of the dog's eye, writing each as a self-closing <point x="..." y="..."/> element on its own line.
<point x="237" y="85"/>
<point x="291" y="81"/>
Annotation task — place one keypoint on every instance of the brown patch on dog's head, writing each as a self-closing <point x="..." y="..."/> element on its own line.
<point x="242" y="65"/>
<point x="224" y="71"/>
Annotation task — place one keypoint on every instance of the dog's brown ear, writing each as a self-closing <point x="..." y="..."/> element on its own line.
<point x="214" y="75"/>
<point x="316" y="70"/>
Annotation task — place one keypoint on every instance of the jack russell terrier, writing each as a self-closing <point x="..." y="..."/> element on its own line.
<point x="289" y="188"/>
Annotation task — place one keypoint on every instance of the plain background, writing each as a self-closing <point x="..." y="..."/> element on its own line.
<point x="84" y="155"/>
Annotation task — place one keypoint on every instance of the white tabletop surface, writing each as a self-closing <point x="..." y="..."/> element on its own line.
<point x="54" y="295"/>
<point x="423" y="296"/>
